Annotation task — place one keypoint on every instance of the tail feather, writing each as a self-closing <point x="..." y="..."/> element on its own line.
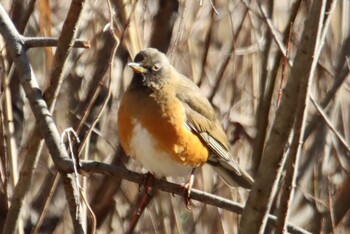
<point x="231" y="177"/>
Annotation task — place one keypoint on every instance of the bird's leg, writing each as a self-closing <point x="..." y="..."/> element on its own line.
<point x="144" y="182"/>
<point x="143" y="202"/>
<point x="188" y="187"/>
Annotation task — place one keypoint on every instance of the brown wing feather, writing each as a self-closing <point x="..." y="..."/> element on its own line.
<point x="209" y="131"/>
<point x="200" y="111"/>
<point x="201" y="119"/>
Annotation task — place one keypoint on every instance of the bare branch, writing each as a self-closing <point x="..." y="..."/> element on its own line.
<point x="262" y="195"/>
<point x="28" y="80"/>
<point x="267" y="88"/>
<point x="74" y="205"/>
<point x="64" y="47"/>
<point x="292" y="163"/>
<point x="207" y="198"/>
<point x="45" y="122"/>
<point x="44" y="119"/>
<point x="31" y="42"/>
<point x="329" y="124"/>
<point x="339" y="208"/>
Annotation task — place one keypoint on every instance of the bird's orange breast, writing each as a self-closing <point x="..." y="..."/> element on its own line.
<point x="164" y="118"/>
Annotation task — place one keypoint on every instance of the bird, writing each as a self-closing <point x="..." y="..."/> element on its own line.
<point x="167" y="124"/>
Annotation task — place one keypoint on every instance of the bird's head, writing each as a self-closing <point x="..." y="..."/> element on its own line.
<point x="152" y="65"/>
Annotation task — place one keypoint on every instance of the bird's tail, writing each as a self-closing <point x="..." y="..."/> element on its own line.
<point x="233" y="176"/>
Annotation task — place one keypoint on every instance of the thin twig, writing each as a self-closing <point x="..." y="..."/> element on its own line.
<point x="331" y="206"/>
<point x="31" y="42"/>
<point x="284" y="67"/>
<point x="12" y="155"/>
<point x="75" y="160"/>
<point x="220" y="75"/>
<point x="329" y="124"/>
<point x="178" y="35"/>
<point x="73" y="202"/>
<point x="64" y="47"/>
<point x="213" y="7"/>
<point x="109" y="91"/>
<point x="294" y="154"/>
<point x="292" y="165"/>
<point x="146" y="198"/>
<point x="99" y="87"/>
<point x="48" y="198"/>
<point x="267" y="90"/>
<point x="40" y="109"/>
<point x="339" y="208"/>
<point x="269" y="172"/>
<point x="206" y="46"/>
<point x="91" y="213"/>
<point x="274" y="32"/>
<point x="207" y="198"/>
<point x="21" y="17"/>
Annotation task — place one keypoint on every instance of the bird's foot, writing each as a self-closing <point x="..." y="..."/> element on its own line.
<point x="144" y="183"/>
<point x="188" y="187"/>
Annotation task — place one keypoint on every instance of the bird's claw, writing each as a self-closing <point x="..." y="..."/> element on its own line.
<point x="144" y="182"/>
<point x="187" y="195"/>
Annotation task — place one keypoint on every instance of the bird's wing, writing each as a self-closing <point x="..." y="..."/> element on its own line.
<point x="201" y="119"/>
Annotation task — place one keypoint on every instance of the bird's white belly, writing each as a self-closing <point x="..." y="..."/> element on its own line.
<point x="146" y="151"/>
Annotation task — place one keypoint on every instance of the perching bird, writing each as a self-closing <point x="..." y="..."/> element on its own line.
<point x="168" y="125"/>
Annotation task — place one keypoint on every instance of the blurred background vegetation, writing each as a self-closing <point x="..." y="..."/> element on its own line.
<point x="230" y="51"/>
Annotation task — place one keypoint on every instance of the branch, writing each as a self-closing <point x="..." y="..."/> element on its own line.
<point x="31" y="42"/>
<point x="106" y="169"/>
<point x="329" y="124"/>
<point x="339" y="208"/>
<point x="260" y="198"/>
<point x="268" y="80"/>
<point x="64" y="47"/>
<point x="48" y="129"/>
<point x="292" y="163"/>
<point x="207" y="198"/>
<point x="339" y="79"/>
<point x="31" y="88"/>
<point x="72" y="195"/>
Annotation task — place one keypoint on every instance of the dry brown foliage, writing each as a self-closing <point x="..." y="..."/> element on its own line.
<point x="236" y="51"/>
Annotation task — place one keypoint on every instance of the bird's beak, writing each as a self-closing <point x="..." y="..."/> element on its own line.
<point x="137" y="67"/>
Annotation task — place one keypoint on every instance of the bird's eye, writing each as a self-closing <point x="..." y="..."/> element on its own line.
<point x="156" y="67"/>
